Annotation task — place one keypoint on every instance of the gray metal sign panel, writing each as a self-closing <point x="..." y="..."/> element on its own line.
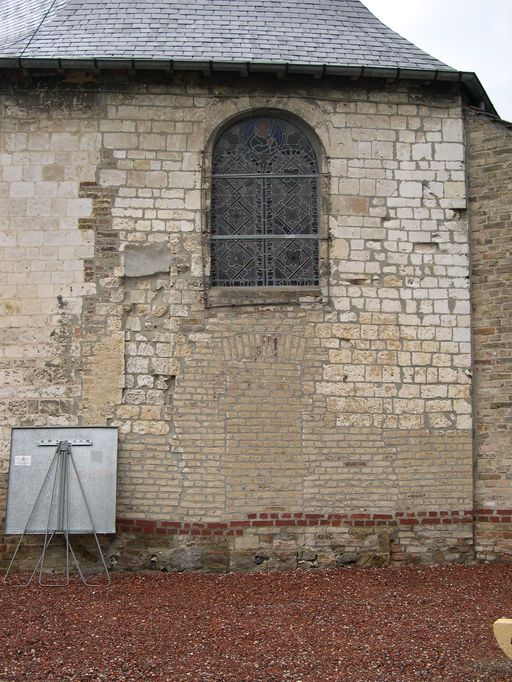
<point x="36" y="481"/>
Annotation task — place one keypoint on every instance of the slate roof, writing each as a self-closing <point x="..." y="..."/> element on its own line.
<point x="20" y="18"/>
<point x="292" y="32"/>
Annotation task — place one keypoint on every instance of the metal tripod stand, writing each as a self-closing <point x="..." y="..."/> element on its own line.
<point x="57" y="523"/>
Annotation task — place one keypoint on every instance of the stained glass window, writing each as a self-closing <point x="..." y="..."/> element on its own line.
<point x="264" y="217"/>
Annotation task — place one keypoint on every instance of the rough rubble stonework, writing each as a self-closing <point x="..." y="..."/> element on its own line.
<point x="267" y="429"/>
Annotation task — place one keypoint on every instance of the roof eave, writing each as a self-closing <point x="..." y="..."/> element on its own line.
<point x="468" y="80"/>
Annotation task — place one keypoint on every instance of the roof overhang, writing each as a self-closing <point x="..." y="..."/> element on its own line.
<point x="468" y="81"/>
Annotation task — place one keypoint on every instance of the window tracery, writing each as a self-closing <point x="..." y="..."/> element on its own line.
<point x="264" y="215"/>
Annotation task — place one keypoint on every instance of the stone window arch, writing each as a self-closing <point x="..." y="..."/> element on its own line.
<point x="264" y="204"/>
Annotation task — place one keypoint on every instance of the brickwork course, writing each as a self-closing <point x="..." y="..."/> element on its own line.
<point x="277" y="427"/>
<point x="490" y="174"/>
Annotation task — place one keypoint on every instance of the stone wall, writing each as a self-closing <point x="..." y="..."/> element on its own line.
<point x="490" y="183"/>
<point x="258" y="429"/>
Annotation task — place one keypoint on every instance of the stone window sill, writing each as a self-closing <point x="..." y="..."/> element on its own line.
<point x="240" y="296"/>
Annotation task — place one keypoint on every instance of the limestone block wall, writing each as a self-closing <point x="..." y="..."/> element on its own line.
<point x="48" y="146"/>
<point x="490" y="198"/>
<point x="257" y="429"/>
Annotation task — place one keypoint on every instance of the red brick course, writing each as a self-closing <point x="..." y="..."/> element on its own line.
<point x="300" y="519"/>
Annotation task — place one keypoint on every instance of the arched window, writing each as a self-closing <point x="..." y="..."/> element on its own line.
<point x="264" y="214"/>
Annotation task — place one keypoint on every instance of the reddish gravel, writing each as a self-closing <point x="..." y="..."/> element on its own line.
<point x="385" y="625"/>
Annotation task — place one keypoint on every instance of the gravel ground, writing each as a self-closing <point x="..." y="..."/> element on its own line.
<point x="385" y="625"/>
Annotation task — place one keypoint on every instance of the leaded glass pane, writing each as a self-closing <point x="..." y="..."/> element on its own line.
<point x="238" y="263"/>
<point x="264" y="185"/>
<point x="237" y="206"/>
<point x="291" y="206"/>
<point x="292" y="262"/>
<point x="291" y="160"/>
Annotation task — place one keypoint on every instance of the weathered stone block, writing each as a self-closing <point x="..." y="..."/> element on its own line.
<point x="145" y="260"/>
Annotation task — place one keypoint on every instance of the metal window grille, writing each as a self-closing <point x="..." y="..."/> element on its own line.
<point x="264" y="205"/>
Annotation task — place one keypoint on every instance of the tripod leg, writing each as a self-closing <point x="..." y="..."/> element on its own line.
<point x="40" y="561"/>
<point x="13" y="557"/>
<point x="62" y="510"/>
<point x="65" y="509"/>
<point x="58" y="469"/>
<point x="77" y="563"/>
<point x="100" y="552"/>
<point x="53" y="462"/>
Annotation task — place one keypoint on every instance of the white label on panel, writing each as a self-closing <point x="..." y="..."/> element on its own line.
<point x="22" y="460"/>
